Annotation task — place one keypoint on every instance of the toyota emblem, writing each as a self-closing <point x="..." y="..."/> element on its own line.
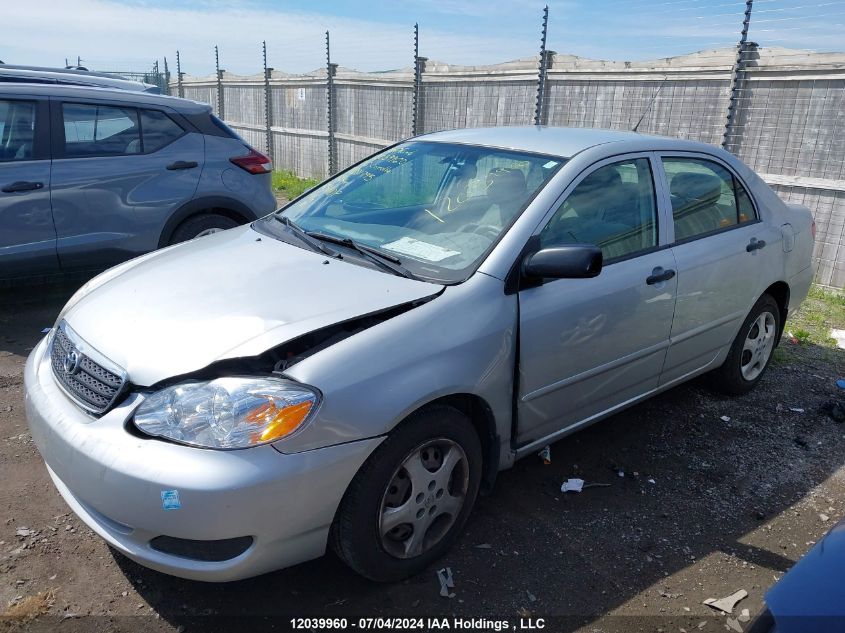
<point x="71" y="364"/>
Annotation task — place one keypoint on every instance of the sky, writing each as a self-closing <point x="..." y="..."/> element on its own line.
<point x="372" y="35"/>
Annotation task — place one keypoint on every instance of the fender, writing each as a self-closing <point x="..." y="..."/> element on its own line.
<point x="230" y="207"/>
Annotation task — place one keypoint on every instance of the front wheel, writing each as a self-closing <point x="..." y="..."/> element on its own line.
<point x="751" y="350"/>
<point x="410" y="500"/>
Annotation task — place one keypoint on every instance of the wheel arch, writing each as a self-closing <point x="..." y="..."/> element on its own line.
<point x="483" y="420"/>
<point x="229" y="207"/>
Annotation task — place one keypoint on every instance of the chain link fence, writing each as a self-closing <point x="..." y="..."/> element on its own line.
<point x="780" y="110"/>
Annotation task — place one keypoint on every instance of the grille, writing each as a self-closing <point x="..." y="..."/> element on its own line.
<point x="91" y="385"/>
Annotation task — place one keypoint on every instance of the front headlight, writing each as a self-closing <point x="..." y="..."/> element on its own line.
<point x="227" y="412"/>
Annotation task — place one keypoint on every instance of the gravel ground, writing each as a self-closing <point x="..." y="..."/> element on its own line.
<point x="706" y="507"/>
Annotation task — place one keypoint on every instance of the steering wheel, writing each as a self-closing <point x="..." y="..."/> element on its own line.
<point x="484" y="230"/>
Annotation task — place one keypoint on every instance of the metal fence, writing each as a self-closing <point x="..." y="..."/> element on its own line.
<point x="780" y="110"/>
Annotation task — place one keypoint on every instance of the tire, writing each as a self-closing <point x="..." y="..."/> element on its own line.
<point x="746" y="364"/>
<point x="196" y="225"/>
<point x="403" y="473"/>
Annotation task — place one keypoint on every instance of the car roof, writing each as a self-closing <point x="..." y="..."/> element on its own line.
<point x="72" y="76"/>
<point x="560" y="141"/>
<point x="95" y="92"/>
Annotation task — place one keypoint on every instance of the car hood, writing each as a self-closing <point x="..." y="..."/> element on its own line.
<point x="232" y="294"/>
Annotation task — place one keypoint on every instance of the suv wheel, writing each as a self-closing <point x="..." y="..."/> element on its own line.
<point x="411" y="498"/>
<point x="200" y="226"/>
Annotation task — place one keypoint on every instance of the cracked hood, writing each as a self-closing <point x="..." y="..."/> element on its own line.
<point x="232" y="294"/>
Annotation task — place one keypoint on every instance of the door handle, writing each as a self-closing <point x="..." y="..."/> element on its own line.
<point x="182" y="164"/>
<point x="755" y="245"/>
<point x="659" y="274"/>
<point x="22" y="185"/>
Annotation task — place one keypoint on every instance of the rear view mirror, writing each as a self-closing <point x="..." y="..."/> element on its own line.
<point x="573" y="261"/>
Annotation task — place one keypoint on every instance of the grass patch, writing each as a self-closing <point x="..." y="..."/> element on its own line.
<point x="27" y="609"/>
<point x="290" y="185"/>
<point x="821" y="311"/>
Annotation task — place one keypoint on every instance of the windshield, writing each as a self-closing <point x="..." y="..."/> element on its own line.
<point x="437" y="208"/>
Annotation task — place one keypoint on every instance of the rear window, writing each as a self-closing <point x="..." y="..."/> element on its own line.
<point x="100" y="130"/>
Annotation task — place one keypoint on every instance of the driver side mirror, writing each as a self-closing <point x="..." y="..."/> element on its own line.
<point x="572" y="261"/>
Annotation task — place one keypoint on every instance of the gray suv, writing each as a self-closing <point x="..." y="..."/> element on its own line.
<point x="90" y="177"/>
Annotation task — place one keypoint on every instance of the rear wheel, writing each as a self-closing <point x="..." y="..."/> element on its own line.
<point x="200" y="226"/>
<point x="751" y="350"/>
<point x="410" y="500"/>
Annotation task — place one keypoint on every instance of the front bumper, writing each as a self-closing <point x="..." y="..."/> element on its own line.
<point x="114" y="481"/>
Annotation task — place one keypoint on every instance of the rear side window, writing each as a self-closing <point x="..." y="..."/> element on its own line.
<point x="224" y="128"/>
<point x="158" y="130"/>
<point x="100" y="130"/>
<point x="17" y="130"/>
<point x="705" y="197"/>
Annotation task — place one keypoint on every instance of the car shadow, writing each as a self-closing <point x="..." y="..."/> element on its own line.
<point x="705" y="478"/>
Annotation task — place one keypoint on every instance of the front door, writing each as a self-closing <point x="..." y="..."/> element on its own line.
<point x="27" y="234"/>
<point x="587" y="346"/>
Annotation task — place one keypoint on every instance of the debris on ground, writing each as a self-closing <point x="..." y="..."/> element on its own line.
<point x="733" y="625"/>
<point x="725" y="418"/>
<point x="824" y="518"/>
<point x="445" y="577"/>
<point x="834" y="410"/>
<point x="841" y="383"/>
<point x="745" y="616"/>
<point x="726" y="604"/>
<point x="651" y="481"/>
<point x="572" y="485"/>
<point x="24" y="532"/>
<point x="796" y="409"/>
<point x="483" y="546"/>
<point x="546" y="455"/>
<point x="531" y="596"/>
<point x="839" y="337"/>
<point x="29" y="608"/>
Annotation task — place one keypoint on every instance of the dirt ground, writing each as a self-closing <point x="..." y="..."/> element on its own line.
<point x="707" y="506"/>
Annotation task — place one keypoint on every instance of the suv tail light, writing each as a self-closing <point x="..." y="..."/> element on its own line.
<point x="254" y="162"/>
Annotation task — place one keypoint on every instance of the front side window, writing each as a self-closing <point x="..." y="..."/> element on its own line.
<point x="613" y="208"/>
<point x="17" y="130"/>
<point x="437" y="207"/>
<point x="100" y="130"/>
<point x="706" y="197"/>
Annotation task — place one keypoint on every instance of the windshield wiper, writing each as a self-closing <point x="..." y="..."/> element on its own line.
<point x="303" y="236"/>
<point x="388" y="262"/>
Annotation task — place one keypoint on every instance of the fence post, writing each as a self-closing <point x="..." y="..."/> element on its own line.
<point x="330" y="108"/>
<point x="419" y="69"/>
<point x="221" y="111"/>
<point x="540" y="107"/>
<point x="180" y="89"/>
<point x="737" y="77"/>
<point x="166" y="77"/>
<point x="268" y="104"/>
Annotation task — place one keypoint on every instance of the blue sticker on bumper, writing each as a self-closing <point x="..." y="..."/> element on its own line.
<point x="170" y="500"/>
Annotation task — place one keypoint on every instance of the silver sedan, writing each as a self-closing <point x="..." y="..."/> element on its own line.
<point x="351" y="370"/>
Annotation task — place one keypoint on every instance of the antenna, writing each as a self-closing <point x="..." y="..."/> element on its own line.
<point x="651" y="103"/>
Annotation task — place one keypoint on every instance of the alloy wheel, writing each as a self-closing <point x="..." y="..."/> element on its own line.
<point x="758" y="346"/>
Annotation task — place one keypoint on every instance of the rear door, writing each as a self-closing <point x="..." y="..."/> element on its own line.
<point x="27" y="234"/>
<point x="722" y="251"/>
<point x="119" y="172"/>
<point x="587" y="346"/>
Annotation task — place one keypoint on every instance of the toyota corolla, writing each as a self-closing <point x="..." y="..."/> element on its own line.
<point x="351" y="370"/>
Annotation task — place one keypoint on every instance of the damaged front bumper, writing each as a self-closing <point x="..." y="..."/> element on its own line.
<point x="190" y="512"/>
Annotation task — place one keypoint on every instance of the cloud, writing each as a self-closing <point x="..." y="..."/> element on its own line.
<point x="105" y="32"/>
